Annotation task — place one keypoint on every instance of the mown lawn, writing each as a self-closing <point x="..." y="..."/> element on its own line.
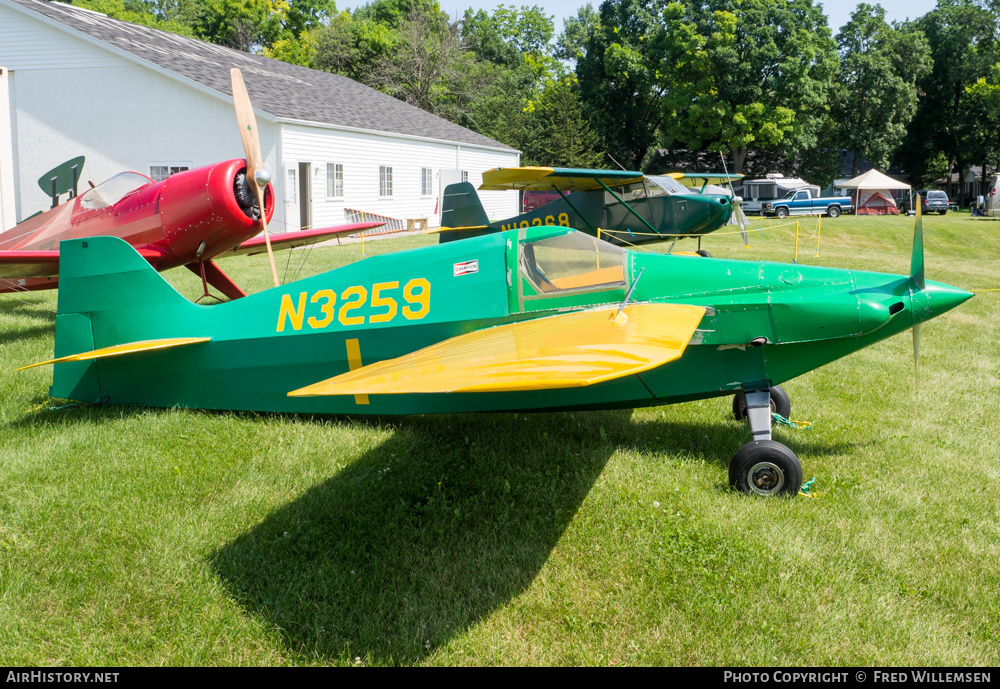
<point x="171" y="537"/>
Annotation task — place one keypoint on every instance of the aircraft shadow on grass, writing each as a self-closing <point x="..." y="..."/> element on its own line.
<point x="426" y="535"/>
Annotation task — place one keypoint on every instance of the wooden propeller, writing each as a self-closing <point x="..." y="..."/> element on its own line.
<point x="257" y="177"/>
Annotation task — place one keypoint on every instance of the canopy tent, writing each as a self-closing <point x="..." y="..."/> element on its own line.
<point x="873" y="179"/>
<point x="872" y="193"/>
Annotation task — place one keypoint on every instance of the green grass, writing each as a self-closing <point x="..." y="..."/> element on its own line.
<point x="133" y="536"/>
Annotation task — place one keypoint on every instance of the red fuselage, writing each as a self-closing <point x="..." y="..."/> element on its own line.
<point x="189" y="217"/>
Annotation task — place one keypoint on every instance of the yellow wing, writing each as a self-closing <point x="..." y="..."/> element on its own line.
<point x="563" y="351"/>
<point x="565" y="179"/>
<point x="127" y="348"/>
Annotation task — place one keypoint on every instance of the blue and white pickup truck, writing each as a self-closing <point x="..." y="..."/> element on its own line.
<point x="801" y="203"/>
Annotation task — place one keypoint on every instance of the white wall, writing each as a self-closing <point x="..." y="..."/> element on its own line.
<point x="73" y="99"/>
<point x="8" y="213"/>
<point x="363" y="153"/>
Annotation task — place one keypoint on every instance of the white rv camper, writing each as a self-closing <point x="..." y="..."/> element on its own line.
<point x="758" y="191"/>
<point x="992" y="200"/>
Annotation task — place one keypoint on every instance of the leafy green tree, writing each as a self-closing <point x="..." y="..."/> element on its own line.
<point x="509" y="35"/>
<point x="246" y="25"/>
<point x="875" y="96"/>
<point x="757" y="75"/>
<point x="139" y="12"/>
<point x="964" y="41"/>
<point x="572" y="42"/>
<point x="426" y="63"/>
<point x="566" y="138"/>
<point x="622" y="77"/>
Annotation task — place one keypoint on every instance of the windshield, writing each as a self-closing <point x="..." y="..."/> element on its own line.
<point x="572" y="261"/>
<point x="937" y="195"/>
<point x="662" y="186"/>
<point x="114" y="190"/>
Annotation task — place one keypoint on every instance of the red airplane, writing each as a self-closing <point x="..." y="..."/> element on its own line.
<point x="188" y="219"/>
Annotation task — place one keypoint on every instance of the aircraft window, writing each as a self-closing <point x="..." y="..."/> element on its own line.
<point x="113" y="190"/>
<point x="572" y="261"/>
<point x="664" y="186"/>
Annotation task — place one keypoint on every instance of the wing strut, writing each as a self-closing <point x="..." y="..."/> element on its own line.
<point x="630" y="209"/>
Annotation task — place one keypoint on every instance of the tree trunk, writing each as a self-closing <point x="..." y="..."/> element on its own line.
<point x="854" y="164"/>
<point x="739" y="157"/>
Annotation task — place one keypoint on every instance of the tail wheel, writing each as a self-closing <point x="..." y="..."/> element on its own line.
<point x="703" y="253"/>
<point x="766" y="468"/>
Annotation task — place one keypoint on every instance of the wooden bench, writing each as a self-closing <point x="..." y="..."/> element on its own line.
<point x="416" y="224"/>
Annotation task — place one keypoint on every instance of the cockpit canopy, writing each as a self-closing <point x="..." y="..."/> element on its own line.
<point x="573" y="261"/>
<point x="113" y="190"/>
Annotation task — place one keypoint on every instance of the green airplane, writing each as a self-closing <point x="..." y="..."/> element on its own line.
<point x="622" y="207"/>
<point x="533" y="319"/>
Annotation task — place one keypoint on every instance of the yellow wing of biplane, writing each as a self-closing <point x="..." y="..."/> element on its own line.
<point x="695" y="179"/>
<point x="561" y="178"/>
<point x="562" y="351"/>
<point x="127" y="348"/>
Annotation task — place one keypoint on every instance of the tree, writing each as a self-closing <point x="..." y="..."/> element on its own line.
<point x="572" y="42"/>
<point x="757" y="75"/>
<point x="875" y="96"/>
<point x="965" y="45"/>
<point x="566" y="138"/>
<point x="426" y="60"/>
<point x="143" y="13"/>
<point x="246" y="25"/>
<point x="621" y="80"/>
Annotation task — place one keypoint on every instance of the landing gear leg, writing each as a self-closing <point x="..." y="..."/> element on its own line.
<point x="764" y="466"/>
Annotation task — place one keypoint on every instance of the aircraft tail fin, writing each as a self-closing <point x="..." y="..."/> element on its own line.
<point x="462" y="213"/>
<point x="108" y="295"/>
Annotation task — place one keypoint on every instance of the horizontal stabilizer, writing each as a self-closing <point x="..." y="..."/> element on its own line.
<point x="28" y="264"/>
<point x="291" y="240"/>
<point x="563" y="351"/>
<point x="127" y="348"/>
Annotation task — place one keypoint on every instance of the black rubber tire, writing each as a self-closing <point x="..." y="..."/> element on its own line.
<point x="944" y="212"/>
<point x="781" y="212"/>
<point x="703" y="253"/>
<point x="766" y="468"/>
<point x="833" y="211"/>
<point x="781" y="404"/>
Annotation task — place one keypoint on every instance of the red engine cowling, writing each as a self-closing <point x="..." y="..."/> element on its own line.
<point x="201" y="205"/>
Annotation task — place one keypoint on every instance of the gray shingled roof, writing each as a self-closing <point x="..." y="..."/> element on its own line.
<point x="281" y="89"/>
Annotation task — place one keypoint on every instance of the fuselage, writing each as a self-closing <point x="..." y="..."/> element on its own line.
<point x="764" y="322"/>
<point x="190" y="216"/>
<point x="669" y="215"/>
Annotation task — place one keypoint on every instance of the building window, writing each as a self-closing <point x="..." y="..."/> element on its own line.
<point x="384" y="180"/>
<point x="334" y="180"/>
<point x="465" y="175"/>
<point x="426" y="181"/>
<point x="160" y="171"/>
<point x="292" y="192"/>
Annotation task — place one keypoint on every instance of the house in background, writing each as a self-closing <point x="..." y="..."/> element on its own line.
<point x="129" y="97"/>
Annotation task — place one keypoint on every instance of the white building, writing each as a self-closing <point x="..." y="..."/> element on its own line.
<point x="129" y="97"/>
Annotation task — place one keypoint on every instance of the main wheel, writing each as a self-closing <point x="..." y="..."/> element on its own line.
<point x="781" y="212"/>
<point x="702" y="252"/>
<point x="833" y="211"/>
<point x="765" y="467"/>
<point x="780" y="403"/>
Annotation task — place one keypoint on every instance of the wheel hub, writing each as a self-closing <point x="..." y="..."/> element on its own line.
<point x="766" y="478"/>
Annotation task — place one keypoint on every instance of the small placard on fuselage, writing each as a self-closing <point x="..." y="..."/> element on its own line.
<point x="466" y="267"/>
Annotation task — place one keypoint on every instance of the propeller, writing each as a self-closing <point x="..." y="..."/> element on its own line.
<point x="257" y="177"/>
<point x="919" y="283"/>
